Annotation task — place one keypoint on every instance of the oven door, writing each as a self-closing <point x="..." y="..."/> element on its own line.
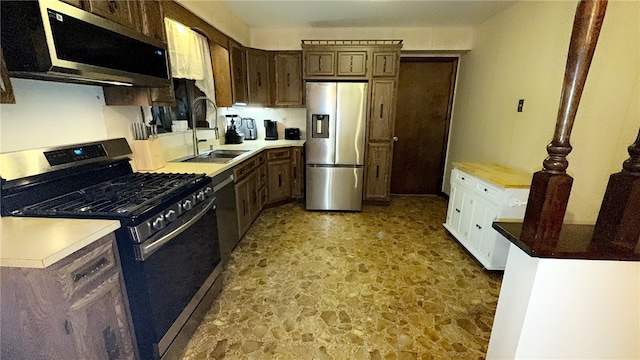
<point x="168" y="275"/>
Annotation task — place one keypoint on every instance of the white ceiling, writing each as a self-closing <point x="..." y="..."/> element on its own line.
<point x="364" y="13"/>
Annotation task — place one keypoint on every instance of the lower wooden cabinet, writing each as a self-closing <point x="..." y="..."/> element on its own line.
<point x="73" y="309"/>
<point x="297" y="173"/>
<point x="279" y="180"/>
<point x="377" y="172"/>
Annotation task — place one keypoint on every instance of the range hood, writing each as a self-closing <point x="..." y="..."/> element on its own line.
<point x="51" y="40"/>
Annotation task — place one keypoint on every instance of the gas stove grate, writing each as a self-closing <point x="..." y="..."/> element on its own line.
<point x="120" y="197"/>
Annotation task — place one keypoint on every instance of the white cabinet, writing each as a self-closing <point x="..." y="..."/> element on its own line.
<point x="474" y="203"/>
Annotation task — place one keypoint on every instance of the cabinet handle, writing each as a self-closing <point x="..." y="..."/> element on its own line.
<point x="67" y="327"/>
<point x="381" y="110"/>
<point x="384" y="65"/>
<point x="113" y="6"/>
<point x="377" y="171"/>
<point x="462" y="178"/>
<point x="255" y="197"/>
<point x="320" y="63"/>
<point x="294" y="173"/>
<point x="259" y="79"/>
<point x="288" y="80"/>
<point x="111" y="343"/>
<point x="351" y="63"/>
<point x="244" y="207"/>
<point x="90" y="269"/>
<point x="279" y="180"/>
<point x="457" y="210"/>
<point x="479" y="227"/>
<point x="485" y="189"/>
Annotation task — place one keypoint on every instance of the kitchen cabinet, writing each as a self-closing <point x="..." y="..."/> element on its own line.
<point x="6" y="90"/>
<point x="378" y="171"/>
<point x="385" y="63"/>
<point x="152" y="18"/>
<point x="73" y="309"/>
<point x="258" y="77"/>
<point x="297" y="173"/>
<point x="238" y="60"/>
<point x="76" y="3"/>
<point x="352" y="63"/>
<point x="123" y="12"/>
<point x="382" y="110"/>
<point x="221" y="74"/>
<point x="474" y="203"/>
<point x="288" y="79"/>
<point x="247" y="199"/>
<point x="279" y="174"/>
<point x="319" y="63"/>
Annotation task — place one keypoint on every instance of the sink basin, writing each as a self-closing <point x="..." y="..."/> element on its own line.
<point x="216" y="156"/>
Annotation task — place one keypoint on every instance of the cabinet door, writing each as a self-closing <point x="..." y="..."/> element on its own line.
<point x="243" y="204"/>
<point x="454" y="210"/>
<point x="297" y="173"/>
<point x="123" y="12"/>
<point x="288" y="79"/>
<point x="221" y="64"/>
<point x="467" y="203"/>
<point x="279" y="180"/>
<point x="96" y="324"/>
<point x="76" y="3"/>
<point x="352" y="63"/>
<point x="320" y="63"/>
<point x="378" y="171"/>
<point x="152" y="19"/>
<point x="384" y="63"/>
<point x="485" y="233"/>
<point x="381" y="119"/>
<point x="258" y="76"/>
<point x="238" y="73"/>
<point x="6" y="90"/>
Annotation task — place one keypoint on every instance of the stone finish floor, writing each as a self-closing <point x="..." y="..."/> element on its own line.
<point x="386" y="283"/>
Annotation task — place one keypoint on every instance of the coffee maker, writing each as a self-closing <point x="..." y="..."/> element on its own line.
<point x="271" y="130"/>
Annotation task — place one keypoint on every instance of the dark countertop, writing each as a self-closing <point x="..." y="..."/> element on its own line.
<point x="575" y="243"/>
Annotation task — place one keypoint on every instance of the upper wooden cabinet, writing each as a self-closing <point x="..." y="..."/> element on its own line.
<point x="152" y="16"/>
<point x="382" y="110"/>
<point x="319" y="63"/>
<point x="385" y="63"/>
<point x="221" y="74"/>
<point x="238" y="59"/>
<point x="123" y="12"/>
<point x="258" y="77"/>
<point x="288" y="79"/>
<point x="352" y="63"/>
<point x="6" y="90"/>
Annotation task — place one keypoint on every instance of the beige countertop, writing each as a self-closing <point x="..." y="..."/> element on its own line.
<point x="212" y="169"/>
<point x="497" y="174"/>
<point x="40" y="242"/>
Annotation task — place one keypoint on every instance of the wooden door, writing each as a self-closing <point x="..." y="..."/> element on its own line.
<point x="238" y="57"/>
<point x="425" y="96"/>
<point x="121" y="12"/>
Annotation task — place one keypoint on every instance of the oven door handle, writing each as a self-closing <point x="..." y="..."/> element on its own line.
<point x="144" y="251"/>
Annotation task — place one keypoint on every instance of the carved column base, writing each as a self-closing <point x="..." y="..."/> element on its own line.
<point x="546" y="207"/>
<point x="619" y="218"/>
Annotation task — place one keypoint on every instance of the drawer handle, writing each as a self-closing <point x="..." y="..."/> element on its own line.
<point x="384" y="65"/>
<point x="485" y="189"/>
<point x="463" y="178"/>
<point x="90" y="269"/>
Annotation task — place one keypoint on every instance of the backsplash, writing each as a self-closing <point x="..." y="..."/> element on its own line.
<point x="52" y="114"/>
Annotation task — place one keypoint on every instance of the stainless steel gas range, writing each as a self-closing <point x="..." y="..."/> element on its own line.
<point x="168" y="242"/>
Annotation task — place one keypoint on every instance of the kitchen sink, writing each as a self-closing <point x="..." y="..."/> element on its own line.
<point x="216" y="156"/>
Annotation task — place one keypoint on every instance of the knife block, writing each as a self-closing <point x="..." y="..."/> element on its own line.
<point x="147" y="154"/>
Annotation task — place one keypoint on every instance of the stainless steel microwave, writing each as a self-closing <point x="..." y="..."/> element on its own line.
<point x="51" y="40"/>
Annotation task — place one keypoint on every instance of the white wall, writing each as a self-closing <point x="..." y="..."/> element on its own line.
<point x="521" y="54"/>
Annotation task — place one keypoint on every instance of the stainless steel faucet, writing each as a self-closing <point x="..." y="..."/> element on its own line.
<point x="196" y="151"/>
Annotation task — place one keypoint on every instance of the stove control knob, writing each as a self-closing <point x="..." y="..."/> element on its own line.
<point x="187" y="205"/>
<point x="208" y="191"/>
<point x="201" y="196"/>
<point x="158" y="223"/>
<point x="171" y="215"/>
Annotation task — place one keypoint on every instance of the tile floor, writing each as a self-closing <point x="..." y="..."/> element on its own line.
<point x="386" y="283"/>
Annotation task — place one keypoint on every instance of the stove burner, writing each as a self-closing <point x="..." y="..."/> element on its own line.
<point x="123" y="196"/>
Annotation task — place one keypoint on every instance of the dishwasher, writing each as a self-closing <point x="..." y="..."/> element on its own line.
<point x="226" y="214"/>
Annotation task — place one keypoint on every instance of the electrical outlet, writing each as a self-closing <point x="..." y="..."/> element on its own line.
<point x="520" y="105"/>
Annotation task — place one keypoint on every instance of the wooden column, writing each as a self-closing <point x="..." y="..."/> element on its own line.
<point x="550" y="188"/>
<point x="618" y="222"/>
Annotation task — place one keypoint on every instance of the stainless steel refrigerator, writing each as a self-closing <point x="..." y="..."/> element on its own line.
<point x="336" y="128"/>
